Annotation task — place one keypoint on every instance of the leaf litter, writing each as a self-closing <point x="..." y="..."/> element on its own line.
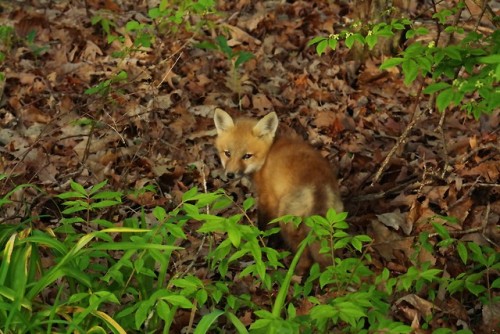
<point x="155" y="126"/>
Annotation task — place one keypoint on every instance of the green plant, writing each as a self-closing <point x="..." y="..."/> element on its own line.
<point x="104" y="87"/>
<point x="92" y="278"/>
<point x="170" y="16"/>
<point x="6" y="37"/>
<point x="36" y="49"/>
<point x="77" y="274"/>
<point x="123" y="278"/>
<point x="234" y="58"/>
<point x="368" y="35"/>
<point x="480" y="262"/>
<point x="105" y="21"/>
<point x="464" y="73"/>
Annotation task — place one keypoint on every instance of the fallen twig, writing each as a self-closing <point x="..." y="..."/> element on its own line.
<point x="404" y="136"/>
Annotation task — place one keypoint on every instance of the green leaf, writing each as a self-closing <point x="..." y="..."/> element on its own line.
<point x="189" y="194"/>
<point x="223" y="46"/>
<point x="444" y="99"/>
<point x="391" y="62"/>
<point x="78" y="188"/>
<point x="248" y="203"/>
<point x="371" y="40"/>
<point x="216" y="225"/>
<point x="159" y="213"/>
<point x="260" y="324"/>
<point x="71" y="194"/>
<point x="104" y="204"/>
<point x="95" y="19"/>
<point x="476" y="289"/>
<point x="206" y="45"/>
<point x="201" y="296"/>
<point x="321" y="47"/>
<point x="432" y="88"/>
<point x="116" y="195"/>
<point x="316" y="40"/>
<point x="132" y="25"/>
<point x="48" y="241"/>
<point x="154" y="13"/>
<point x="132" y="245"/>
<point x="222" y="203"/>
<point x="425" y="64"/>
<point x="243" y="57"/>
<point x="441" y="230"/>
<point x="122" y="75"/>
<point x="421" y="31"/>
<point x="142" y="313"/>
<point x="351" y="38"/>
<point x="410" y="34"/>
<point x="332" y="43"/>
<point x="191" y="210"/>
<point x="74" y="209"/>
<point x="477" y="251"/>
<point x="491" y="59"/>
<point x="453" y="52"/>
<point x="178" y="300"/>
<point x="164" y="311"/>
<point x="240" y="327"/>
<point x="462" y="252"/>
<point x="410" y="71"/>
<point x="430" y="274"/>
<point x="97" y="187"/>
<point x="56" y="271"/>
<point x="207" y="321"/>
<point x="323" y="311"/>
<point x="234" y="234"/>
<point x="292" y="312"/>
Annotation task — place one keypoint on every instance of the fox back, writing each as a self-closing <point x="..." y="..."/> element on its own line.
<point x="290" y="177"/>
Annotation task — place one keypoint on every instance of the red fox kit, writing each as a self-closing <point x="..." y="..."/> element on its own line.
<point x="290" y="177"/>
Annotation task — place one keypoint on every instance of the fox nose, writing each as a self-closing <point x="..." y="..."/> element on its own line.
<point x="230" y="175"/>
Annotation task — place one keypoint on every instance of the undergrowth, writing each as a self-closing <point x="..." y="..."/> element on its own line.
<point x="87" y="273"/>
<point x="459" y="65"/>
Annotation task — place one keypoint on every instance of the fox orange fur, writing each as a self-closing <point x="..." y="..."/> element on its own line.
<point x="290" y="177"/>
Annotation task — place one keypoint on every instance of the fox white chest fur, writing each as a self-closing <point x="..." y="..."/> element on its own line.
<point x="289" y="176"/>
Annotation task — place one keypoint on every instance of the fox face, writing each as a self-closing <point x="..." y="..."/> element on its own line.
<point x="243" y="144"/>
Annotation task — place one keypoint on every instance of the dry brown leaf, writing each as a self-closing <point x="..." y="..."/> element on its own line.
<point x="239" y="36"/>
<point x="397" y="220"/>
<point x="488" y="170"/>
<point x="250" y="22"/>
<point x="261" y="102"/>
<point x="91" y="51"/>
<point x="423" y="307"/>
<point x="387" y="241"/>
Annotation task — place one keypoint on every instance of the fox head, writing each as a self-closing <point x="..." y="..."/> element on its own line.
<point x="243" y="143"/>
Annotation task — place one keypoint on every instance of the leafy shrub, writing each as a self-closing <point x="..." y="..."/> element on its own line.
<point x="105" y="275"/>
<point x="463" y="73"/>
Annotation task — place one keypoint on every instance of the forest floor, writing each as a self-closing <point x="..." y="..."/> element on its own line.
<point x="155" y="127"/>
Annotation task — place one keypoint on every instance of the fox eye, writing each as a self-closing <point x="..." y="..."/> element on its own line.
<point x="227" y="153"/>
<point x="247" y="156"/>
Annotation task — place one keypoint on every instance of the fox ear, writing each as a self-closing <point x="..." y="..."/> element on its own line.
<point x="222" y="120"/>
<point x="266" y="126"/>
